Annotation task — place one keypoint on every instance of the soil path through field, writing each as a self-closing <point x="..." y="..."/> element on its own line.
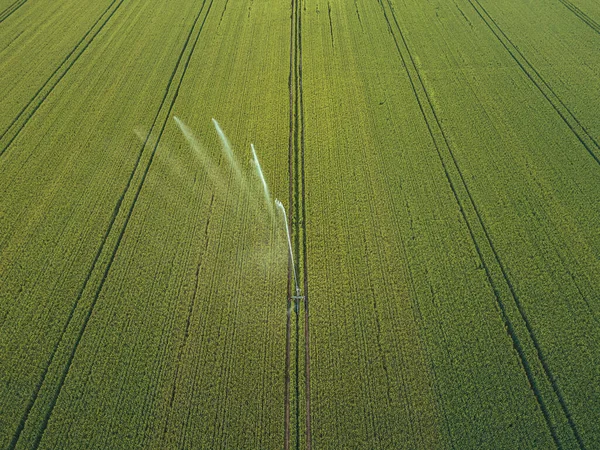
<point x="20" y="121"/>
<point x="297" y="214"/>
<point x="11" y="9"/>
<point x="165" y="111"/>
<point x="291" y="205"/>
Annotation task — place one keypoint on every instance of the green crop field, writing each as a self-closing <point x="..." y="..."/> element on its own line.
<point x="430" y="277"/>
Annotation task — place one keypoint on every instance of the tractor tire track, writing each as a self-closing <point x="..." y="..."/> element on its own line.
<point x="297" y="208"/>
<point x="116" y="212"/>
<point x="11" y="9"/>
<point x="435" y="128"/>
<point x="288" y="344"/>
<point x="302" y="230"/>
<point x="581" y="15"/>
<point x="22" y="118"/>
<point x="331" y="25"/>
<point x="587" y="140"/>
<point x="288" y="338"/>
<point x="191" y="307"/>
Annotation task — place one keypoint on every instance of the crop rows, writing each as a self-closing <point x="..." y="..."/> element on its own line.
<point x="582" y="15"/>
<point x="72" y="348"/>
<point x="512" y="308"/>
<point x="375" y="315"/>
<point x="481" y="238"/>
<point x="11" y="9"/>
<point x="59" y="359"/>
<point x="21" y="119"/>
<point x="585" y="10"/>
<point x="297" y="397"/>
<point x="529" y="305"/>
<point x="38" y="48"/>
<point x="440" y="166"/>
<point x="584" y="136"/>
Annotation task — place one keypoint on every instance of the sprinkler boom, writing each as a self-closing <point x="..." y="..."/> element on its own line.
<point x="262" y="179"/>
<point x="287" y="232"/>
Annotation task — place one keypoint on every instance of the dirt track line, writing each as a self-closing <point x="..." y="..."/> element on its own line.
<point x="331" y="24"/>
<point x="541" y="357"/>
<point x="291" y="84"/>
<point x="223" y="13"/>
<point x="191" y="307"/>
<point x="297" y="209"/>
<point x="587" y="140"/>
<point x="581" y="15"/>
<point x="131" y="208"/>
<point x="22" y="118"/>
<point x="302" y="230"/>
<point x="11" y="9"/>
<point x="424" y="105"/>
<point x="116" y="211"/>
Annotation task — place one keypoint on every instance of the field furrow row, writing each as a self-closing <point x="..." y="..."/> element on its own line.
<point x="582" y="15"/>
<point x="21" y="119"/>
<point x="481" y="237"/>
<point x="6" y="13"/>
<point x="584" y="136"/>
<point x="430" y="279"/>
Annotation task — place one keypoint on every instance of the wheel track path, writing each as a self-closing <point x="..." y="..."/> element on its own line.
<point x="587" y="140"/>
<point x="11" y="9"/>
<point x="191" y="307"/>
<point x="297" y="217"/>
<point x="442" y="143"/>
<point x="287" y="431"/>
<point x="173" y="88"/>
<point x="581" y="15"/>
<point x="302" y="230"/>
<point x="29" y="110"/>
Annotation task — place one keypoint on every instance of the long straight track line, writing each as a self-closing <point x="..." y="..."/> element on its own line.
<point x="12" y="8"/>
<point x="290" y="288"/>
<point x="172" y="91"/>
<point x="297" y="208"/>
<point x="22" y="118"/>
<point x="436" y="129"/>
<point x="288" y="337"/>
<point x="581" y="15"/>
<point x="583" y="135"/>
<point x="302" y="230"/>
<point x="191" y="308"/>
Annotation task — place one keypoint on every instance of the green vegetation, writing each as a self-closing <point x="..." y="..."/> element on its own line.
<point x="440" y="166"/>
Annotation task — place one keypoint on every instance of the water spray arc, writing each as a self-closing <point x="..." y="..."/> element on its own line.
<point x="287" y="232"/>
<point x="262" y="179"/>
<point x="239" y="184"/>
<point x="212" y="170"/>
<point x="229" y="152"/>
<point x="217" y="178"/>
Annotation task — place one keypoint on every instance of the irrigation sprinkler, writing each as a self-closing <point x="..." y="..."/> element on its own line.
<point x="263" y="181"/>
<point x="212" y="171"/>
<point x="298" y="295"/>
<point x="229" y="153"/>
